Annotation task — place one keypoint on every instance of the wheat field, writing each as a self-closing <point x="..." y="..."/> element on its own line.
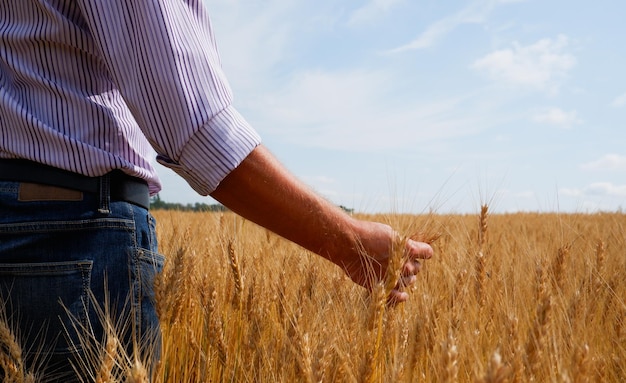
<point x="507" y="298"/>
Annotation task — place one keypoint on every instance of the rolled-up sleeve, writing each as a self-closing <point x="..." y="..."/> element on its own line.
<point x="163" y="57"/>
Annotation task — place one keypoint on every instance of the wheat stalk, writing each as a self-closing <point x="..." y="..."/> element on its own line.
<point x="398" y="367"/>
<point x="497" y="372"/>
<point x="482" y="228"/>
<point x="109" y="355"/>
<point x="11" y="361"/>
<point x="600" y="256"/>
<point x="538" y="331"/>
<point x="581" y="363"/>
<point x="170" y="305"/>
<point x="305" y="358"/>
<point x="459" y="289"/>
<point x="236" y="270"/>
<point x="598" y="282"/>
<point x="344" y="372"/>
<point x="449" y="359"/>
<point x="480" y="257"/>
<point x="379" y="299"/>
<point x="514" y="350"/>
<point x="558" y="266"/>
<point x="215" y="329"/>
<point x="137" y="373"/>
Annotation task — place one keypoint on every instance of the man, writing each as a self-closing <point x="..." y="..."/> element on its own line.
<point x="88" y="90"/>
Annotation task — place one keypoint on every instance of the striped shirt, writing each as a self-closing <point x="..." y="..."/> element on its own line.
<point x="91" y="86"/>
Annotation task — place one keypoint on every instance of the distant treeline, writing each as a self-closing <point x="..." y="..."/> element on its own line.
<point x="156" y="203"/>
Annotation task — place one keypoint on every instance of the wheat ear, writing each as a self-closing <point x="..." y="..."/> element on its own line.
<point x="107" y="364"/>
<point x="236" y="270"/>
<point x="379" y="299"/>
<point x="558" y="266"/>
<point x="137" y="373"/>
<point x="536" y="336"/>
<point x="497" y="372"/>
<point x="11" y="361"/>
<point x="480" y="257"/>
<point x="581" y="364"/>
<point x="449" y="360"/>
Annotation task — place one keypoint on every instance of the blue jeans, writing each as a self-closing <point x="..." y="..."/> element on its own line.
<point x="65" y="260"/>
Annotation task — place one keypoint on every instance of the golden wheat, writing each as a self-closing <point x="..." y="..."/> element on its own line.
<point x="239" y="304"/>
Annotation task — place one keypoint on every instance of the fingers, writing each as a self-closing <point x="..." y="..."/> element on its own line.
<point x="399" y="293"/>
<point x="408" y="276"/>
<point x="411" y="267"/>
<point x="406" y="281"/>
<point x="397" y="296"/>
<point x="415" y="251"/>
<point x="418" y="250"/>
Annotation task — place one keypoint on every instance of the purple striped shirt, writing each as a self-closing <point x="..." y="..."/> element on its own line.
<point x="91" y="85"/>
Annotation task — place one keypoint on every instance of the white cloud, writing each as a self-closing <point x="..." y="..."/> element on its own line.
<point x="557" y="117"/>
<point x="607" y="162"/>
<point x="343" y="108"/>
<point x="597" y="189"/>
<point x="476" y="12"/>
<point x="357" y="110"/>
<point x="619" y="101"/>
<point x="541" y="66"/>
<point x="606" y="188"/>
<point x="371" y="10"/>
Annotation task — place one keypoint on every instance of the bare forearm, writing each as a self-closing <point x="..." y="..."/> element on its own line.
<point x="264" y="192"/>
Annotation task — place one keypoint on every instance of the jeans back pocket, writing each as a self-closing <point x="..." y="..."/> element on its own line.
<point x="47" y="302"/>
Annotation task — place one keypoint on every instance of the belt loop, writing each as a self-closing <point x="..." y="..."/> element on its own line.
<point x="104" y="194"/>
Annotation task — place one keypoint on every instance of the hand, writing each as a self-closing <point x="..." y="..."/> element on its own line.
<point x="413" y="252"/>
<point x="374" y="257"/>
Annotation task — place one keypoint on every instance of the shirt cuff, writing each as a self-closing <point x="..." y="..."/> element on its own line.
<point x="215" y="150"/>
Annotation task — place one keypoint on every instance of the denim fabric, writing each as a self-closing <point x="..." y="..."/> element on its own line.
<point x="60" y="261"/>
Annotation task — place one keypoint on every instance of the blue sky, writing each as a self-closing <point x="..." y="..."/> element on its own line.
<point x="414" y="106"/>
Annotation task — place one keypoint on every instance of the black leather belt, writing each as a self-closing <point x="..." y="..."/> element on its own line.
<point x="123" y="187"/>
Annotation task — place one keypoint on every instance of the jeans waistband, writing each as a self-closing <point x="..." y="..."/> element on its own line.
<point x="122" y="186"/>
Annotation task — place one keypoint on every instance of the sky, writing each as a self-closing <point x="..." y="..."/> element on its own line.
<point x="414" y="106"/>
